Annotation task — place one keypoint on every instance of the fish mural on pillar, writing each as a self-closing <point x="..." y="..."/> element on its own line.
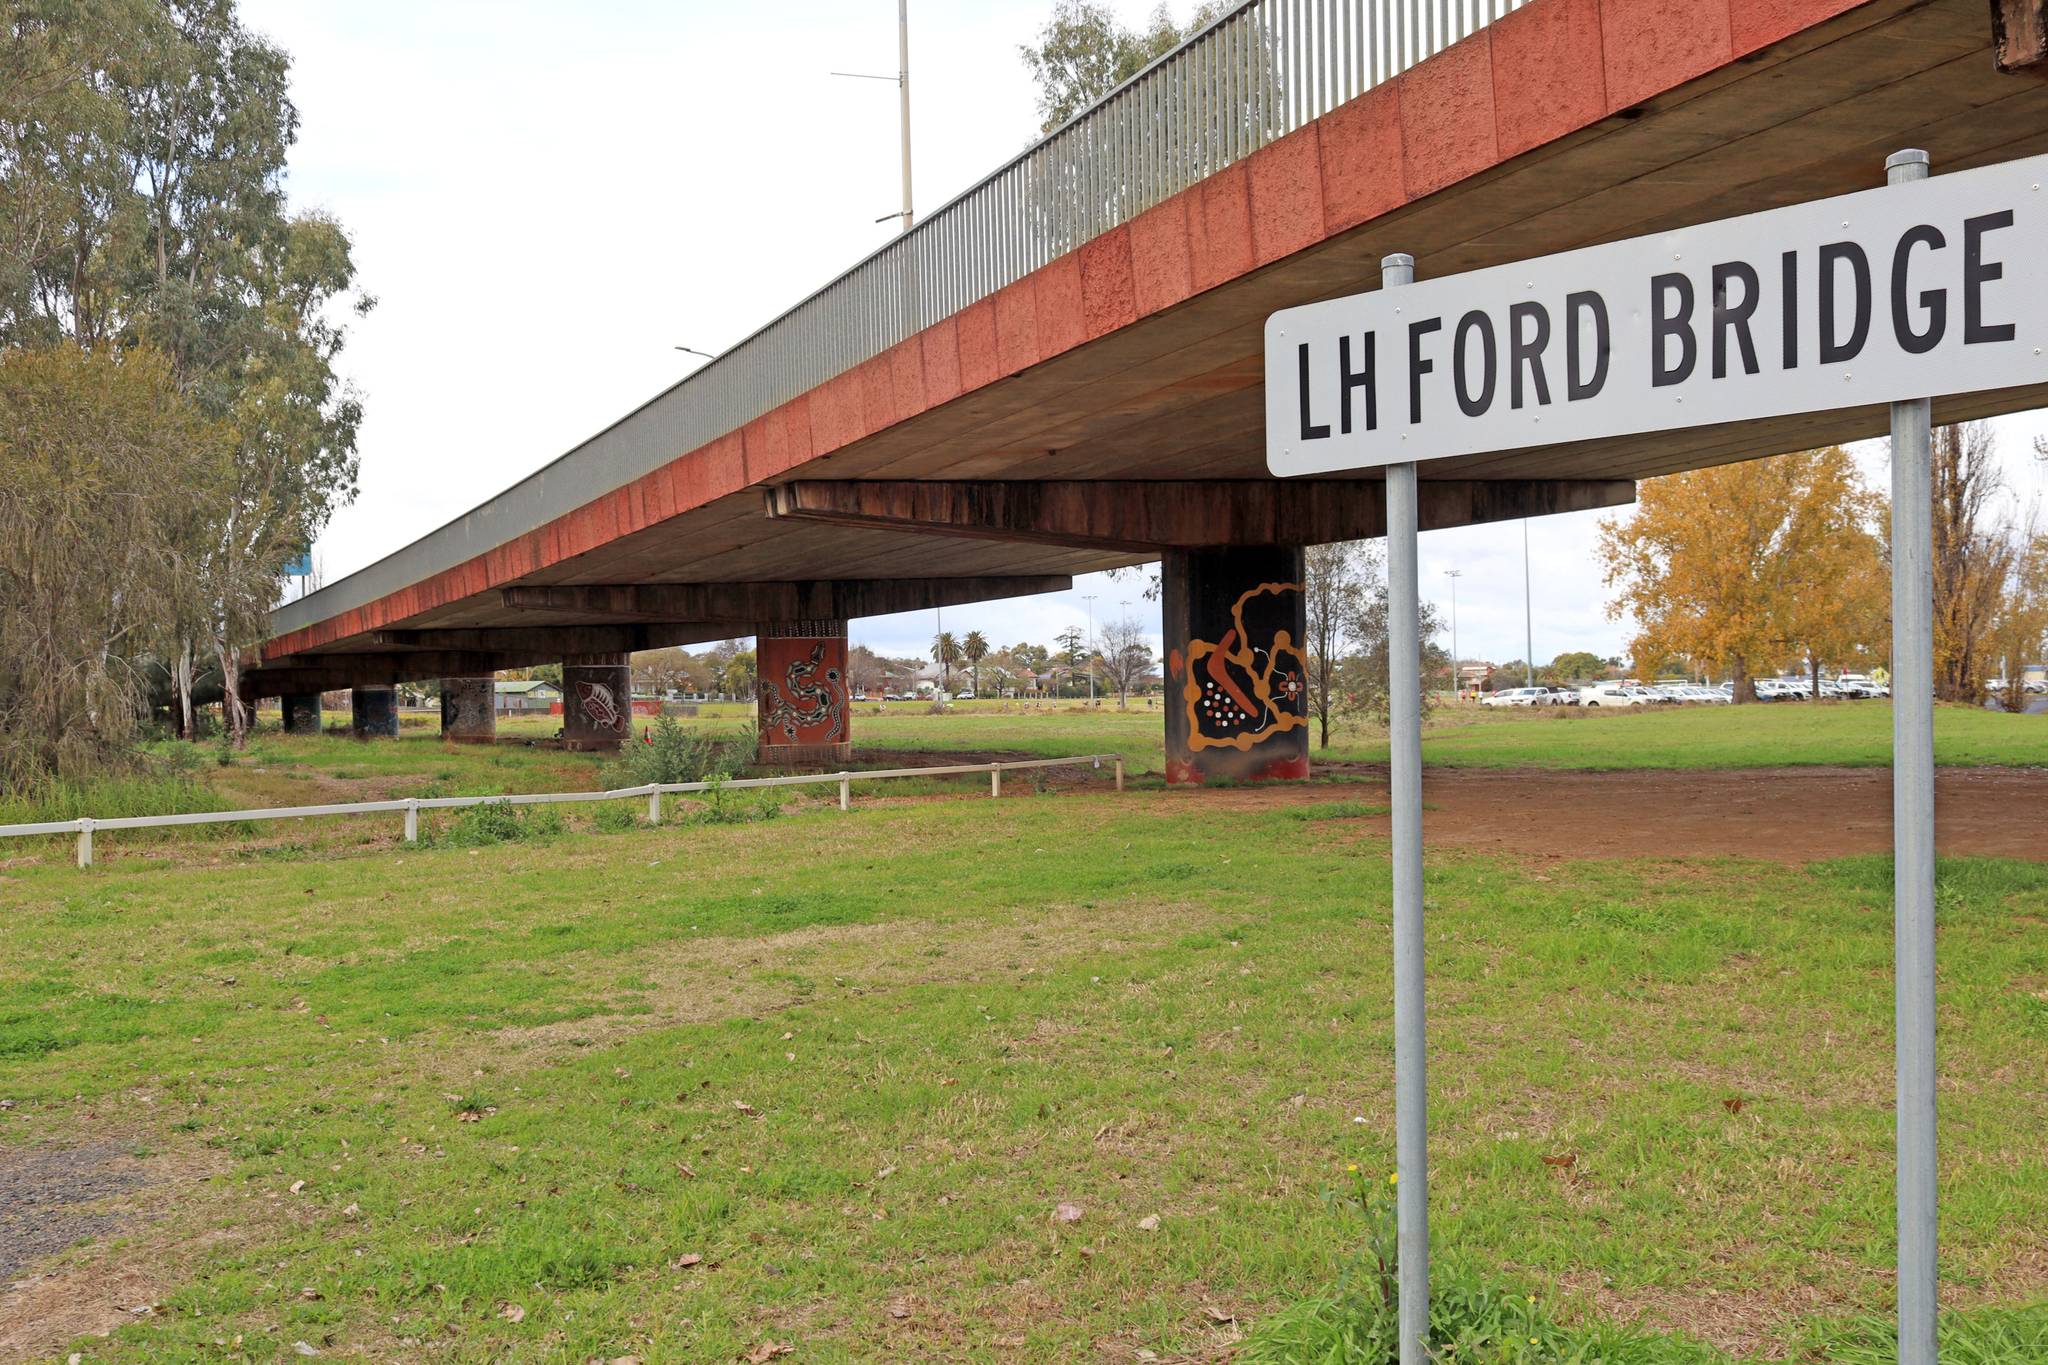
<point x="600" y="706"/>
<point x="597" y="701"/>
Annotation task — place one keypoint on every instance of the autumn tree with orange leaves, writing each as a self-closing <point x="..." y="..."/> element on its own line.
<point x="1746" y="565"/>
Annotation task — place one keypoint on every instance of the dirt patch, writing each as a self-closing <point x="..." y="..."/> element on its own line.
<point x="57" y="1199"/>
<point x="1790" y="815"/>
<point x="719" y="978"/>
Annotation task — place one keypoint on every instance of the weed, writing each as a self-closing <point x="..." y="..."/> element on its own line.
<point x="614" y="817"/>
<point x="499" y="822"/>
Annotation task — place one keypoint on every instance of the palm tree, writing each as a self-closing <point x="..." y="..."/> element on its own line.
<point x="974" y="649"/>
<point x="945" y="649"/>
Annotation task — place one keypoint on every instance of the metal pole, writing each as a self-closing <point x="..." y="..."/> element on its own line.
<point x="1457" y="681"/>
<point x="1528" y="614"/>
<point x="903" y="89"/>
<point x="1404" y="704"/>
<point x="1089" y="598"/>
<point x="1913" y="846"/>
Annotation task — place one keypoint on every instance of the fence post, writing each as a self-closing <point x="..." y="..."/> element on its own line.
<point x="84" y="842"/>
<point x="653" y="805"/>
<point x="412" y="819"/>
<point x="846" y="791"/>
<point x="995" y="779"/>
<point x="1119" y="772"/>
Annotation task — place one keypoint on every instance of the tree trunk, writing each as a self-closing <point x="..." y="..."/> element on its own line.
<point x="1740" y="689"/>
<point x="1814" y="664"/>
<point x="231" y="708"/>
<point x="181" y="713"/>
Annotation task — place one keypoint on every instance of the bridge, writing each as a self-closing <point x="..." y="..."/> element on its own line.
<point x="1060" y="371"/>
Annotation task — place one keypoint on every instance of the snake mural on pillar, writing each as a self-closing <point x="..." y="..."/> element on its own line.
<point x="1251" y="684"/>
<point x="806" y="703"/>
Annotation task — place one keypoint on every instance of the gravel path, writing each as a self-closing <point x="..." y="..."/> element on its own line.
<point x="42" y="1191"/>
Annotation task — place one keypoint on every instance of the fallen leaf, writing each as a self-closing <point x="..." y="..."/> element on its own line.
<point x="1733" y="1104"/>
<point x="310" y="1293"/>
<point x="303" y="1349"/>
<point x="298" y="1185"/>
<point x="1562" y="1159"/>
<point x="1149" y="1223"/>
<point x="899" y="1308"/>
<point x="885" y="1173"/>
<point x="767" y="1351"/>
<point x="1217" y="1314"/>
<point x="751" y="1112"/>
<point x="683" y="1170"/>
<point x="685" y="1261"/>
<point x="625" y="1360"/>
<point x="511" y="1312"/>
<point x="1067" y="1213"/>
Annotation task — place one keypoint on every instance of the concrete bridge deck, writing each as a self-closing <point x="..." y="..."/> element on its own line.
<point x="1126" y="375"/>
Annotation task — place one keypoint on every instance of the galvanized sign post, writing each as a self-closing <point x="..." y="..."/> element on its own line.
<point x="1886" y="297"/>
<point x="1404" y="762"/>
<point x="1913" y="847"/>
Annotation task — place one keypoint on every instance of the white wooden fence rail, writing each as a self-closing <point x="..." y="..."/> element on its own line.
<point x="85" y="826"/>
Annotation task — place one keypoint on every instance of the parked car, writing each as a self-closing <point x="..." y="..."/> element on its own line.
<point x="1618" y="694"/>
<point x="1517" y="696"/>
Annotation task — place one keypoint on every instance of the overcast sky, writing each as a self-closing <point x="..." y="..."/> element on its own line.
<point x="547" y="198"/>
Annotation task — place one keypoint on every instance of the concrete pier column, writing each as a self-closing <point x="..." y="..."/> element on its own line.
<point x="1236" y="673"/>
<point x="804" y="712"/>
<point x="469" y="710"/>
<point x="301" y="713"/>
<point x="373" y="712"/>
<point x="597" y="701"/>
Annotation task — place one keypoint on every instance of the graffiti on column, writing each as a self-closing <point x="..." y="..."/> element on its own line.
<point x="600" y="705"/>
<point x="805" y="706"/>
<point x="1251" y="684"/>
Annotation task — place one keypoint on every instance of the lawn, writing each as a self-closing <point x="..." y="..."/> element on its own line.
<point x="826" y="1080"/>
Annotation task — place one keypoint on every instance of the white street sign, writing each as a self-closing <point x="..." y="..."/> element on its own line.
<point x="1933" y="287"/>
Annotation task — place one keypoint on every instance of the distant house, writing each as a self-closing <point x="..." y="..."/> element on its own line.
<point x="527" y="696"/>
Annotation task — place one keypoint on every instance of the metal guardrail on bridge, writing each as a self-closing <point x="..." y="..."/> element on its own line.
<point x="85" y="827"/>
<point x="1256" y="74"/>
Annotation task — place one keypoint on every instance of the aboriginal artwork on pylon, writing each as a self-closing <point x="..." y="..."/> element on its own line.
<point x="600" y="705"/>
<point x="1251" y="684"/>
<point x="806" y="703"/>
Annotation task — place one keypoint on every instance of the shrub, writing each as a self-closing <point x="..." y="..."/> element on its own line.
<point x="722" y="807"/>
<point x="672" y="753"/>
<point x="500" y="822"/>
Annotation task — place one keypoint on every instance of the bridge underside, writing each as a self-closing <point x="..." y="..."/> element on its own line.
<point x="1108" y="409"/>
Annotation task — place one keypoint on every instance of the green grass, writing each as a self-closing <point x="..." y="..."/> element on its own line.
<point x="1778" y="734"/>
<point x="514" y="1074"/>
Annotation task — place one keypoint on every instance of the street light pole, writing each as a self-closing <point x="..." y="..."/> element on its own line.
<point x="902" y="79"/>
<point x="1528" y="614"/>
<point x="1089" y="598"/>
<point x="903" y="92"/>
<point x="1457" y="678"/>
